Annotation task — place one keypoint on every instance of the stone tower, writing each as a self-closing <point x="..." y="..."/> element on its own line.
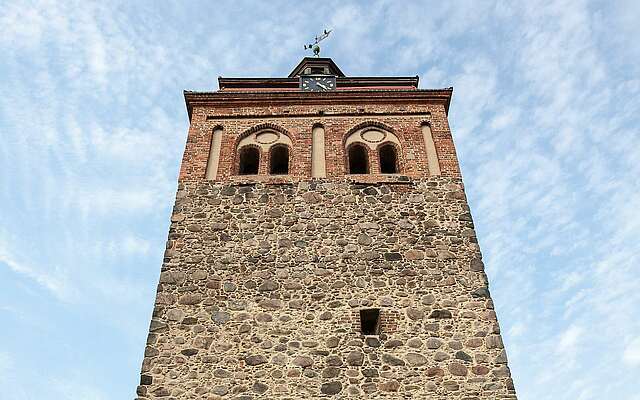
<point x="321" y="246"/>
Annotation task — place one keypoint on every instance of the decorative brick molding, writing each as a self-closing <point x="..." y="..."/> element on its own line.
<point x="406" y="127"/>
<point x="370" y="124"/>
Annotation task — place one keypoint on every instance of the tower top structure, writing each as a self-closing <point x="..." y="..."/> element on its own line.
<point x="315" y="46"/>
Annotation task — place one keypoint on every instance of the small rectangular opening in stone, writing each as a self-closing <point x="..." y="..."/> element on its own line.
<point x="369" y="321"/>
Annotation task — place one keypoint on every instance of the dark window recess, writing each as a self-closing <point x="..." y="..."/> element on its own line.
<point x="279" y="160"/>
<point x="358" y="160"/>
<point x="249" y="161"/>
<point x="370" y="321"/>
<point x="317" y="70"/>
<point x="388" y="159"/>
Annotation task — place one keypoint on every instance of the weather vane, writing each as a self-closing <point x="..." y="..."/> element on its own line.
<point x="315" y="47"/>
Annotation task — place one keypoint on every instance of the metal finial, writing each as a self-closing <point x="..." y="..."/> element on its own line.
<point x="314" y="46"/>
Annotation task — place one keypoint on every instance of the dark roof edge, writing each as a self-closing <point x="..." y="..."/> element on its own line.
<point x="298" y="68"/>
<point x="295" y="78"/>
<point x="219" y="92"/>
<point x="265" y="82"/>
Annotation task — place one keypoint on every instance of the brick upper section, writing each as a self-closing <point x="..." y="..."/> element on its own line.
<point x="393" y="104"/>
<point x="403" y="112"/>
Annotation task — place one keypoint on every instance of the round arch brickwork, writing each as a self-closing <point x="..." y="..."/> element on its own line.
<point x="372" y="135"/>
<point x="263" y="127"/>
<point x="264" y="136"/>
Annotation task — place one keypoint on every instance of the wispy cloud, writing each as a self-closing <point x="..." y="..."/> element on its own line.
<point x="631" y="354"/>
<point x="53" y="281"/>
<point x="6" y="365"/>
<point x="568" y="341"/>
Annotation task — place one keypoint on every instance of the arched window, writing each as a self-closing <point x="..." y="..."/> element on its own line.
<point x="265" y="143"/>
<point x="279" y="160"/>
<point x="249" y="160"/>
<point x="358" y="159"/>
<point x="372" y="137"/>
<point x="388" y="159"/>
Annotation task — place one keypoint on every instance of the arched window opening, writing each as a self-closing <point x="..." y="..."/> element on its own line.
<point x="358" y="160"/>
<point x="249" y="161"/>
<point x="388" y="159"/>
<point x="279" y="160"/>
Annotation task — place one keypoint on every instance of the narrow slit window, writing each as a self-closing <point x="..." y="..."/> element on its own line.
<point x="358" y="160"/>
<point x="370" y="321"/>
<point x="279" y="160"/>
<point x="249" y="161"/>
<point x="388" y="159"/>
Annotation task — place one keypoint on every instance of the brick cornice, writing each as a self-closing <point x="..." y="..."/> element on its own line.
<point x="239" y="99"/>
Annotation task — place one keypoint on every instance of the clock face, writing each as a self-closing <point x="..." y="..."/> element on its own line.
<point x="318" y="83"/>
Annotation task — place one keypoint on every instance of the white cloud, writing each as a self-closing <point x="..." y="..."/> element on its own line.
<point x="571" y="280"/>
<point x="517" y="329"/>
<point x="26" y="24"/>
<point x="475" y="90"/>
<point x="569" y="339"/>
<point x="505" y="119"/>
<point x="127" y="245"/>
<point x="6" y="365"/>
<point x="129" y="145"/>
<point x="54" y="280"/>
<point x="631" y="355"/>
<point x="133" y="245"/>
<point x="105" y="200"/>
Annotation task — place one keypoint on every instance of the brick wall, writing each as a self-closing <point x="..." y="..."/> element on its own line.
<point x="404" y="119"/>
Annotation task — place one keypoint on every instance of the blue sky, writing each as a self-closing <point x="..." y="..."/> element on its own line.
<point x="93" y="124"/>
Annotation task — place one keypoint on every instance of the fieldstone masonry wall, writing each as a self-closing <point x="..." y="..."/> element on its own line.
<point x="261" y="288"/>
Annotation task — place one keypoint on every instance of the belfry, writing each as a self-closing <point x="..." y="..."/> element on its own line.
<point x="321" y="246"/>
